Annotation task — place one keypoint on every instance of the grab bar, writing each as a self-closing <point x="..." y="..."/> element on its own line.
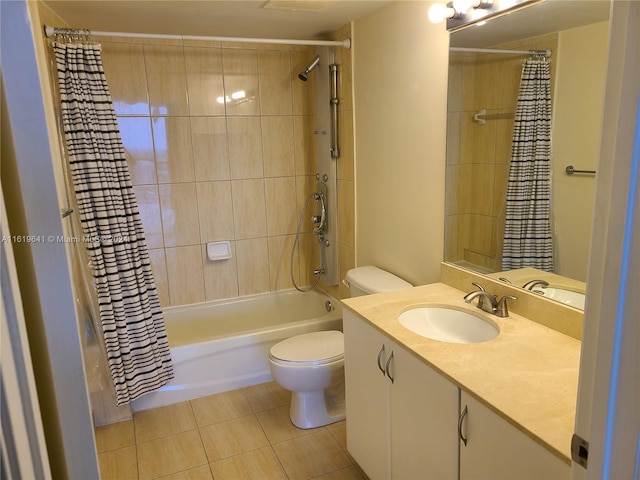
<point x="570" y="171"/>
<point x="333" y="70"/>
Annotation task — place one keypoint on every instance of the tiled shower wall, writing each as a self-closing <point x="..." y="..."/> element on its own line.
<point x="219" y="142"/>
<point x="478" y="155"/>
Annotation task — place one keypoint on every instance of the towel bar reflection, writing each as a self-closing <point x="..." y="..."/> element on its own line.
<point x="570" y="170"/>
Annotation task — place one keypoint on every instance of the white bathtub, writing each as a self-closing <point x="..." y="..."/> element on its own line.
<point x="222" y="345"/>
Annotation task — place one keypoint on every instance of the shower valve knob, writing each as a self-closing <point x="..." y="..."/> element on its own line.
<point x="316" y="219"/>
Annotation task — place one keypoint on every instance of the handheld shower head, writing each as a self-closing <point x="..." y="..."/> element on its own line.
<point x="314" y="63"/>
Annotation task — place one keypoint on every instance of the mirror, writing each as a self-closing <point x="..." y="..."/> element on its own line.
<point x="483" y="91"/>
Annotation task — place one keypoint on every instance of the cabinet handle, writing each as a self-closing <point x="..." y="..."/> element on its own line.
<point x="380" y="353"/>
<point x="386" y="367"/>
<point x="460" y="420"/>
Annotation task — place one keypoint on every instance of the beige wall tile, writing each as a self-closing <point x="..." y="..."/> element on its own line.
<point x="138" y="146"/>
<point x="210" y="148"/>
<point x="204" y="80"/>
<point x="280" y="194"/>
<point x="170" y="455"/>
<point x="347" y="215"/>
<point x="149" y="206"/>
<point x="275" y="82"/>
<point x="125" y="71"/>
<point x="486" y="84"/>
<point x="253" y="266"/>
<point x="280" y="261"/>
<point x="172" y="144"/>
<point x="484" y="140"/>
<point x="166" y="80"/>
<point x="241" y="75"/>
<point x="452" y="188"/>
<point x="215" y="211"/>
<point x="159" y="268"/>
<point x="302" y="92"/>
<point x="249" y="209"/>
<point x="186" y="283"/>
<point x="454" y="122"/>
<point x="304" y="145"/>
<point x="178" y="205"/>
<point x="278" y="146"/>
<point x="245" y="147"/>
<point x="220" y="277"/>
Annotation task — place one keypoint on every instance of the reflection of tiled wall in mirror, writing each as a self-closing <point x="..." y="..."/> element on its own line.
<point x="478" y="154"/>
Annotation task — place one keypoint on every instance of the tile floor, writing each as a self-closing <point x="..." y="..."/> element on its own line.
<point x="236" y="435"/>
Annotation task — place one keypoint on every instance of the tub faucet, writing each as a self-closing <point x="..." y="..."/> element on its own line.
<point x="533" y="283"/>
<point x="490" y="303"/>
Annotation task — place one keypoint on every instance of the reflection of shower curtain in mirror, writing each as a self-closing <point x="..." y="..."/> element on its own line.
<point x="527" y="233"/>
<point x="130" y="314"/>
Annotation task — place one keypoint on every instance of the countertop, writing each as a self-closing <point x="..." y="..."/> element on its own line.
<point x="528" y="374"/>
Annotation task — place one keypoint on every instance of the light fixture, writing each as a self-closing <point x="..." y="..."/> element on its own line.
<point x="439" y="12"/>
<point x="466" y="5"/>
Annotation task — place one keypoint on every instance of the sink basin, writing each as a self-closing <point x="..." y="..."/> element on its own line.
<point x="448" y="325"/>
<point x="568" y="297"/>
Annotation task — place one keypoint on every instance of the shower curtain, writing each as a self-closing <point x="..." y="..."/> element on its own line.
<point x="132" y="321"/>
<point x="527" y="233"/>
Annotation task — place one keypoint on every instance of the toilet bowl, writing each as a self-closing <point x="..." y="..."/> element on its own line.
<point x="311" y="365"/>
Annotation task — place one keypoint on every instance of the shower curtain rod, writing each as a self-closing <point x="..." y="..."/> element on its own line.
<point x="51" y="31"/>
<point x="546" y="53"/>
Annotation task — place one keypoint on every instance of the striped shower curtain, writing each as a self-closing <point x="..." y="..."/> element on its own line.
<point x="132" y="321"/>
<point x="527" y="233"/>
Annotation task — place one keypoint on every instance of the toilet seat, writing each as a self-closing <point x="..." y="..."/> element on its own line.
<point x="317" y="348"/>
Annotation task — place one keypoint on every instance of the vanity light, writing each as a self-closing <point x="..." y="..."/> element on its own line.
<point x="439" y="12"/>
<point x="465" y="5"/>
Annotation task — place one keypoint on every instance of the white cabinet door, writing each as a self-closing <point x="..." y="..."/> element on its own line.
<point x="497" y="450"/>
<point x="424" y="412"/>
<point x="367" y="396"/>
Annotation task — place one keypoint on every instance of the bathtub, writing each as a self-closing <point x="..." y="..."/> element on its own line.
<point x="223" y="345"/>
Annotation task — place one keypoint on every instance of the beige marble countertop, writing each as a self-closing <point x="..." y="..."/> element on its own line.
<point x="528" y="374"/>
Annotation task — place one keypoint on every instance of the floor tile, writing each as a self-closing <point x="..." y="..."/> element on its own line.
<point x="120" y="464"/>
<point x="171" y="454"/>
<point x="350" y="473"/>
<point x="233" y="437"/>
<point x="220" y="407"/>
<point x="163" y="421"/>
<point x="259" y="464"/>
<point x="114" y="436"/>
<point x="311" y="455"/>
<point x="277" y="425"/>
<point x="199" y="473"/>
<point x="338" y="431"/>
<point x="266" y="396"/>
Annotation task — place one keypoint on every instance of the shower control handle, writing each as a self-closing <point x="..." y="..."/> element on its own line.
<point x="316" y="219"/>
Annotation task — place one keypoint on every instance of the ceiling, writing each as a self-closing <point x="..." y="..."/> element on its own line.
<point x="296" y="19"/>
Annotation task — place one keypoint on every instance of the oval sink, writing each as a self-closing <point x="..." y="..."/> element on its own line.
<point x="448" y="325"/>
<point x="568" y="297"/>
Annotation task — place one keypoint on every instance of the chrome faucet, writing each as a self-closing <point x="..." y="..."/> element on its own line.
<point x="490" y="303"/>
<point x="529" y="285"/>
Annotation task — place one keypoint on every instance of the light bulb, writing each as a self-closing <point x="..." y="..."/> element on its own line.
<point x="438" y="12"/>
<point x="464" y="5"/>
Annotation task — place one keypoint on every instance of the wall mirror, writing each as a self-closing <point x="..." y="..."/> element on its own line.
<point x="483" y="93"/>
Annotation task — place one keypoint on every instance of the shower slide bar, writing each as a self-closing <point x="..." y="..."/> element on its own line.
<point x="51" y="31"/>
<point x="546" y="53"/>
<point x="570" y="171"/>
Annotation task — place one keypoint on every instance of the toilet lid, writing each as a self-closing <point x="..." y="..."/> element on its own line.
<point x="315" y="348"/>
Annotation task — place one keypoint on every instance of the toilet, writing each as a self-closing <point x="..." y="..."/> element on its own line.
<point x="311" y="365"/>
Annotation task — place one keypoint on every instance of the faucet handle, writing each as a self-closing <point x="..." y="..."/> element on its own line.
<point x="480" y="299"/>
<point x="501" y="308"/>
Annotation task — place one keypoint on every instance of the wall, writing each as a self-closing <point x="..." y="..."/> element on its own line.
<point x="400" y="74"/>
<point x="577" y="120"/>
<point x="206" y="170"/>
<point x="478" y="155"/>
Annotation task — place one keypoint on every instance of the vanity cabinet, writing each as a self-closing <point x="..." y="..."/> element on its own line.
<point x="490" y="447"/>
<point x="401" y="414"/>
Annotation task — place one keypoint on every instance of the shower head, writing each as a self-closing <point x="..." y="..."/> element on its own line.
<point x="314" y="63"/>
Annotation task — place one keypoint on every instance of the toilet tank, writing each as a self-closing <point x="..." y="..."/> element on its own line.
<point x="369" y="279"/>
